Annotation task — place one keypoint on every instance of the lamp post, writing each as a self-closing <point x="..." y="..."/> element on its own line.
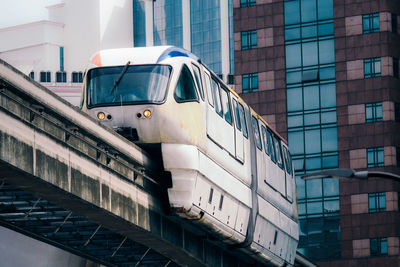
<point x="350" y="174"/>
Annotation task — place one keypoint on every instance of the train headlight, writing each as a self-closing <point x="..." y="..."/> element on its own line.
<point x="101" y="116"/>
<point x="147" y="113"/>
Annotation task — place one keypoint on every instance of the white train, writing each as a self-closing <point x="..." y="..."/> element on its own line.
<point x="230" y="172"/>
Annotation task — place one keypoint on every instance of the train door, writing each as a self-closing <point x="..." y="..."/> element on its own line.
<point x="239" y="138"/>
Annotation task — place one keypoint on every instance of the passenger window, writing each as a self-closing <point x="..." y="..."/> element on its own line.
<point x="197" y="75"/>
<point x="265" y="139"/>
<point x="271" y="146"/>
<point x="257" y="133"/>
<point x="243" y="120"/>
<point x="278" y="152"/>
<point x="185" y="89"/>
<point x="217" y="98"/>
<point x="227" y="106"/>
<point x="209" y="90"/>
<point x="288" y="161"/>
<point x="237" y="116"/>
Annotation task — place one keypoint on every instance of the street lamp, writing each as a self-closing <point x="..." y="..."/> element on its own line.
<point x="350" y="174"/>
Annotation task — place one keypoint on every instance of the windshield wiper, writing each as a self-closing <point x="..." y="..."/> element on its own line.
<point x="118" y="80"/>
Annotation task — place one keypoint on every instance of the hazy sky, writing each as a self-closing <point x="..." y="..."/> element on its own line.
<point x="16" y="12"/>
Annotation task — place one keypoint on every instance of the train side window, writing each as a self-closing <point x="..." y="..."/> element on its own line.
<point x="217" y="98"/>
<point x="278" y="152"/>
<point x="288" y="162"/>
<point x="197" y="76"/>
<point x="271" y="146"/>
<point x="257" y="133"/>
<point x="185" y="89"/>
<point x="209" y="90"/>
<point x="237" y="116"/>
<point x="226" y="105"/>
<point x="243" y="120"/>
<point x="265" y="139"/>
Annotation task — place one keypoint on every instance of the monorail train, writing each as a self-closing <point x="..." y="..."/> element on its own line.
<point x="231" y="173"/>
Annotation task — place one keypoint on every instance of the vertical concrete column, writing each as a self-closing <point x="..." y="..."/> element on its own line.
<point x="148" y="7"/>
<point x="186" y="33"/>
<point x="224" y="16"/>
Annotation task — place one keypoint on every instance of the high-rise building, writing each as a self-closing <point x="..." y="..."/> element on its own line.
<point x="325" y="75"/>
<point x="203" y="27"/>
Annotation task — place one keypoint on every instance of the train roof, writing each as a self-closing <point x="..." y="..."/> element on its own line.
<point x="139" y="55"/>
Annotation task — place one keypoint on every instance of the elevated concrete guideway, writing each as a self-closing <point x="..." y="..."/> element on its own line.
<point x="67" y="180"/>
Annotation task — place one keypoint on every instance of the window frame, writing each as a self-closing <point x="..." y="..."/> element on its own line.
<point x="251" y="88"/>
<point x="375" y="153"/>
<point x="377" y="251"/>
<point x="242" y="115"/>
<point x="198" y="79"/>
<point x="368" y="21"/>
<point x="61" y="77"/>
<point x="257" y="133"/>
<point x="379" y="206"/>
<point x="46" y="75"/>
<point x="225" y="99"/>
<point x="247" y="39"/>
<point x="373" y="107"/>
<point x="370" y="63"/>
<point x="217" y="97"/>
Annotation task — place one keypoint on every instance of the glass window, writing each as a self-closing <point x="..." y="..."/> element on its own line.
<point x="139" y="24"/>
<point x="314" y="188"/>
<point x="271" y="146"/>
<point x="325" y="10"/>
<point x="249" y="40"/>
<point x="292" y="14"/>
<point x="378" y="246"/>
<point x="313" y="141"/>
<point x="375" y="157"/>
<point x="373" y="112"/>
<point x="257" y="135"/>
<point x="167" y="23"/>
<point x="394" y="23"/>
<point x="226" y="106"/>
<point x="296" y="141"/>
<point x="278" y="152"/>
<point x="237" y="116"/>
<point x="265" y="139"/>
<point x="61" y="77"/>
<point x="329" y="139"/>
<point x="77" y="77"/>
<point x="197" y="75"/>
<point x="293" y="55"/>
<point x="246" y="3"/>
<point x="249" y="82"/>
<point x="326" y="51"/>
<point x="205" y="31"/>
<point x="310" y="53"/>
<point x="372" y="67"/>
<point x="217" y="98"/>
<point x="311" y="97"/>
<point x="370" y="23"/>
<point x="138" y="85"/>
<point x="288" y="160"/>
<point x="185" y="88"/>
<point x="45" y="76"/>
<point x="209" y="90"/>
<point x="328" y="95"/>
<point x="32" y="75"/>
<point x="308" y="10"/>
<point x="243" y="120"/>
<point x="295" y="99"/>
<point x="376" y="202"/>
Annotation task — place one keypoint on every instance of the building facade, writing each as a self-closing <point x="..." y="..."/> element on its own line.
<point x="203" y="27"/>
<point x="325" y="74"/>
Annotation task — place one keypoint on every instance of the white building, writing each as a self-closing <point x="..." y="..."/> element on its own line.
<point x="55" y="51"/>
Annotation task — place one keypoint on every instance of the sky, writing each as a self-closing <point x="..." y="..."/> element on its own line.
<point x="17" y="12"/>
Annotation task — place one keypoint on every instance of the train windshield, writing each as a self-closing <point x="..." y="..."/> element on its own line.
<point x="108" y="86"/>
